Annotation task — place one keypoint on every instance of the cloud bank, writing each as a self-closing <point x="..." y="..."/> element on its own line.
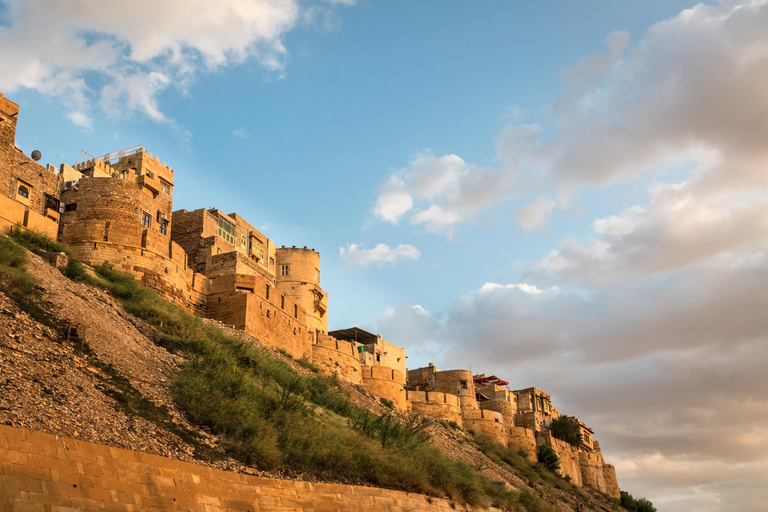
<point x="123" y="55"/>
<point x="355" y="255"/>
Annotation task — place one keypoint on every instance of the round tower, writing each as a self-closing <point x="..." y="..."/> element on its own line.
<point x="298" y="277"/>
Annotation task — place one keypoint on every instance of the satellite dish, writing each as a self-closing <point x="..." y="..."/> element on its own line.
<point x="36" y="155"/>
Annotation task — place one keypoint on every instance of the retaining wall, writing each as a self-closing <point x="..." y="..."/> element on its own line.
<point x="522" y="438"/>
<point x="43" y="472"/>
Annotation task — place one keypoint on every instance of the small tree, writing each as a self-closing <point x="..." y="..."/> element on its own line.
<point x="636" y="505"/>
<point x="567" y="429"/>
<point x="549" y="459"/>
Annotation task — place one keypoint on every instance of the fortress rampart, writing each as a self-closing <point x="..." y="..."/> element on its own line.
<point x="519" y="438"/>
<point x="386" y="383"/>
<point x="487" y="422"/>
<point x="441" y="406"/>
<point x="335" y="357"/>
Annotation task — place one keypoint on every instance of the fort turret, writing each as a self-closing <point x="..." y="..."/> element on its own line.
<point x="298" y="277"/>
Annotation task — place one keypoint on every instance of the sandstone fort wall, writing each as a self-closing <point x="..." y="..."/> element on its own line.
<point x="335" y="357"/>
<point x="488" y="422"/>
<point x="386" y="383"/>
<point x="441" y="406"/>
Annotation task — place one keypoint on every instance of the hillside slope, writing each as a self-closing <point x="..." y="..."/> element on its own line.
<point x="116" y="389"/>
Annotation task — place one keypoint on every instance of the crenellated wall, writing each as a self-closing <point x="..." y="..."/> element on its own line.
<point x="569" y="456"/>
<point x="386" y="383"/>
<point x="488" y="422"/>
<point x="519" y="438"/>
<point x="441" y="406"/>
<point x="335" y="357"/>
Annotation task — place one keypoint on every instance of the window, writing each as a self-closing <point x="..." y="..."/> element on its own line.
<point x="164" y="227"/>
<point x="463" y="384"/>
<point x="71" y="207"/>
<point x="283" y="270"/>
<point x="227" y="230"/>
<point x="295" y="311"/>
<point x="271" y="262"/>
<point x="242" y="241"/>
<point x="317" y="275"/>
<point x="165" y="187"/>
<point x="267" y="292"/>
<point x="146" y="220"/>
<point x="282" y="302"/>
<point x="52" y="203"/>
<point x="24" y="191"/>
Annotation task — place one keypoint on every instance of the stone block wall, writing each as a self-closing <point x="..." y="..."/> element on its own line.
<point x="569" y="456"/>
<point x="522" y="438"/>
<point x="507" y="409"/>
<point x="441" y="406"/>
<point x="488" y="422"/>
<point x="386" y="383"/>
<point x="43" y="472"/>
<point x="459" y="383"/>
<point x="591" y="465"/>
<point x="336" y="357"/>
<point x="611" y="483"/>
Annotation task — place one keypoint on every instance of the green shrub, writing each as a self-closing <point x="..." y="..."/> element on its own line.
<point x="20" y="285"/>
<point x="386" y="402"/>
<point x="549" y="459"/>
<point x="636" y="505"/>
<point x="567" y="429"/>
<point x="306" y="363"/>
<point x="36" y="241"/>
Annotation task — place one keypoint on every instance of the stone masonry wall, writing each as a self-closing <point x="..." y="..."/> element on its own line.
<point x="43" y="472"/>
<point x="569" y="456"/>
<point x="385" y="382"/>
<point x="335" y="357"/>
<point x="488" y="422"/>
<point x="522" y="438"/>
<point x="441" y="406"/>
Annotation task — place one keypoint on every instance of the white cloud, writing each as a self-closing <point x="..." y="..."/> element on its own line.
<point x="240" y="133"/>
<point x="690" y="91"/>
<point x="535" y="215"/>
<point x="124" y="54"/>
<point x="354" y="254"/>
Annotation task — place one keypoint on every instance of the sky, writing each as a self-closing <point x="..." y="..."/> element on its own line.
<point x="569" y="195"/>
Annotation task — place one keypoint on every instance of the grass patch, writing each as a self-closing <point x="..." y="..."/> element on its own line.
<point x="272" y="417"/>
<point x="36" y="242"/>
<point x="21" y="286"/>
<point x="306" y="363"/>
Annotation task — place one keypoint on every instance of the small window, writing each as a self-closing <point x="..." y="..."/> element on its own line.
<point x="52" y="203"/>
<point x="164" y="227"/>
<point x="283" y="270"/>
<point x="227" y="230"/>
<point x="282" y="302"/>
<point x="261" y="256"/>
<point x="463" y="384"/>
<point x="267" y="292"/>
<point x="242" y="241"/>
<point x="71" y="207"/>
<point x="165" y="187"/>
<point x="295" y="311"/>
<point x="146" y="220"/>
<point x="317" y="275"/>
<point x="24" y="191"/>
<point x="271" y="262"/>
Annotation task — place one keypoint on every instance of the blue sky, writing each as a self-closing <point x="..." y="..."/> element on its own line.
<point x="568" y="194"/>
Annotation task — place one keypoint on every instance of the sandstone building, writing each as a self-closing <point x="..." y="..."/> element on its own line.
<point x="118" y="210"/>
